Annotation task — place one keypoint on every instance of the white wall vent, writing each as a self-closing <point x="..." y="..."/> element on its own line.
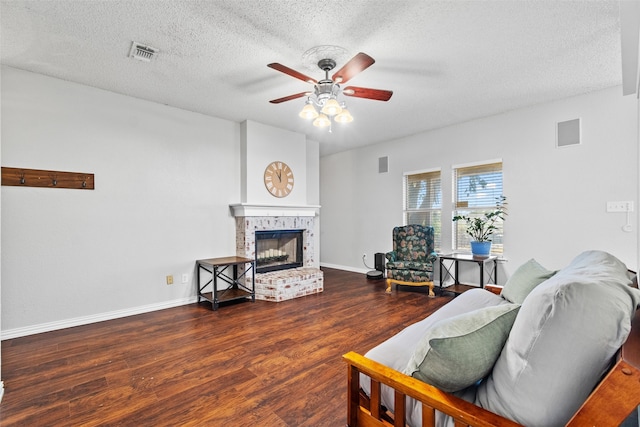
<point x="142" y="52"/>
<point x="383" y="164"/>
<point x="568" y="133"/>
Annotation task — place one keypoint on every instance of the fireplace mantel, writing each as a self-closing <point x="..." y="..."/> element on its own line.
<point x="248" y="210"/>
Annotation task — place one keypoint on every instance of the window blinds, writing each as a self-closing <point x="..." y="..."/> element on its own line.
<point x="477" y="188"/>
<point x="423" y="201"/>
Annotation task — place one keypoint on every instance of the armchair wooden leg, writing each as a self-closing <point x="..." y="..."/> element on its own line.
<point x="400" y="282"/>
<point x="431" y="293"/>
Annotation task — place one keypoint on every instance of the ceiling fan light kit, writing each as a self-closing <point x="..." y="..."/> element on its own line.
<point x="322" y="104"/>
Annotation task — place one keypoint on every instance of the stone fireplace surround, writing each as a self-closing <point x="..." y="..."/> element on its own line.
<point x="283" y="284"/>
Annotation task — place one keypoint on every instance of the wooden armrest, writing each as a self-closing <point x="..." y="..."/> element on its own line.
<point x="496" y="289"/>
<point x="463" y="412"/>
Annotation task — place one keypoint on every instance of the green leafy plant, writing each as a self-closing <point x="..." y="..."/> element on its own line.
<point x="481" y="228"/>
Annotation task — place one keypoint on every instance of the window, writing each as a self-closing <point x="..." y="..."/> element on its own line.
<point x="423" y="201"/>
<point x="477" y="188"/>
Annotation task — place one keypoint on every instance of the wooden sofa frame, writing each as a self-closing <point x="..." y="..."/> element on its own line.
<point x="610" y="403"/>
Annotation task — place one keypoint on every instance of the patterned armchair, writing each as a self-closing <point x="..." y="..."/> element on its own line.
<point x="411" y="261"/>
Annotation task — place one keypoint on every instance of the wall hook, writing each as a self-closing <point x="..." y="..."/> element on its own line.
<point x="47" y="178"/>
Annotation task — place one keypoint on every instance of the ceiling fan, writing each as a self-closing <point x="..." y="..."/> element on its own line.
<point x="326" y="90"/>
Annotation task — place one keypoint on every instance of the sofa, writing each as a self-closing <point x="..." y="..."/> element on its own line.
<point x="530" y="355"/>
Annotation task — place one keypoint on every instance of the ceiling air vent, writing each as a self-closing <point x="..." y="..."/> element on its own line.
<point x="142" y="52"/>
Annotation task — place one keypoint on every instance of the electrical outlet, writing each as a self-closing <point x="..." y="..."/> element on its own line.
<point x="169" y="280"/>
<point x="185" y="278"/>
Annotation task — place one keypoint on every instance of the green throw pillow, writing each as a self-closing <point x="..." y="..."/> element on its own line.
<point x="524" y="279"/>
<point x="457" y="352"/>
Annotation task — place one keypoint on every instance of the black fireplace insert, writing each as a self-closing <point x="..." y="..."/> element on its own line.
<point x="278" y="250"/>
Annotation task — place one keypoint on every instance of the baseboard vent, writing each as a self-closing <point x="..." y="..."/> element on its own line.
<point x="142" y="52"/>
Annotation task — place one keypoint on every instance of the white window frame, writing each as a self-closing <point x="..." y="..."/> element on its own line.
<point x="429" y="212"/>
<point x="460" y="240"/>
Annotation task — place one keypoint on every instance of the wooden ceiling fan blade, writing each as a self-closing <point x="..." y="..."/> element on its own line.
<point x="291" y="72"/>
<point x="289" y="98"/>
<point x="358" y="63"/>
<point x="365" y="92"/>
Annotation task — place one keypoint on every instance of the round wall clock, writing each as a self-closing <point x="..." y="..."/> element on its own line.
<point x="278" y="178"/>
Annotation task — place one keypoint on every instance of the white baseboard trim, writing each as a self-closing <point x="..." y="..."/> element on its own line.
<point x="345" y="268"/>
<point x="94" y="318"/>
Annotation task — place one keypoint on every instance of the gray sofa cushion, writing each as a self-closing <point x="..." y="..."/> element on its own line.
<point x="458" y="352"/>
<point x="523" y="280"/>
<point x="396" y="351"/>
<point x="562" y="341"/>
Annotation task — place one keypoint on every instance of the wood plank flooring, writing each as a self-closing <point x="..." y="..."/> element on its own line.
<point x="247" y="364"/>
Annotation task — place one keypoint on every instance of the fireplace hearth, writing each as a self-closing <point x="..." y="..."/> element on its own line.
<point x="278" y="250"/>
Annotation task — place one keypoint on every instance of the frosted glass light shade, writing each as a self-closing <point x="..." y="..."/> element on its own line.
<point x="331" y="107"/>
<point x="344" y="117"/>
<point x="308" y="112"/>
<point x="321" y="121"/>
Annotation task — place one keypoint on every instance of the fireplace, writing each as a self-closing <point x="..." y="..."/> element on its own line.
<point x="283" y="285"/>
<point x="278" y="250"/>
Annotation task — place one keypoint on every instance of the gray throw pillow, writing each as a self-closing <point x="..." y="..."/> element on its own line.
<point x="457" y="352"/>
<point x="566" y="333"/>
<point x="396" y="351"/>
<point x="523" y="280"/>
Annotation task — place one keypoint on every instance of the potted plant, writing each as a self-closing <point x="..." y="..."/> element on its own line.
<point x="481" y="228"/>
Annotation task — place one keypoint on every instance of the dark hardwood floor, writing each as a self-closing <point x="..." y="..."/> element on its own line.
<point x="247" y="364"/>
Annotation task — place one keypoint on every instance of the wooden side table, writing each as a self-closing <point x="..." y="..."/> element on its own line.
<point x="227" y="270"/>
<point x="451" y="261"/>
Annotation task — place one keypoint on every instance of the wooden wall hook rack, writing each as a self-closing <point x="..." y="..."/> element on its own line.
<point x="21" y="177"/>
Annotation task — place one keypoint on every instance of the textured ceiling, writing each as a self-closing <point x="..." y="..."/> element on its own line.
<point x="446" y="61"/>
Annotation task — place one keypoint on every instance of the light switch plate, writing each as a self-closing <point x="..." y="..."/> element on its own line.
<point x="624" y="206"/>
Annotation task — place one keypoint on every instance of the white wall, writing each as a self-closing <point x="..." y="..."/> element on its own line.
<point x="164" y="180"/>
<point x="556" y="196"/>
<point x="263" y="145"/>
<point x="313" y="191"/>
